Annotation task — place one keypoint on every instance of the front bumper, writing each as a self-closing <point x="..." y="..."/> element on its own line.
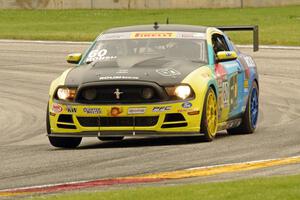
<point x="124" y="134"/>
<point x="165" y="119"/>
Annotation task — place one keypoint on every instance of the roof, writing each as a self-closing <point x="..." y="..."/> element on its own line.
<point x="162" y="27"/>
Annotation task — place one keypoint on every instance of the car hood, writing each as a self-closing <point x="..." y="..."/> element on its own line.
<point x="161" y="70"/>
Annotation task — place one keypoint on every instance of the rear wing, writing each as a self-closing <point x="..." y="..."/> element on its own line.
<point x="244" y="28"/>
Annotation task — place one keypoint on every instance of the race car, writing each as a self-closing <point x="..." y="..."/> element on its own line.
<point x="155" y="81"/>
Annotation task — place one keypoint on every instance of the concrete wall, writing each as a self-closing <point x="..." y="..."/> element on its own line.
<point x="140" y="4"/>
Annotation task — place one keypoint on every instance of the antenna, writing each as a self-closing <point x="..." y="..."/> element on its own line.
<point x="167" y="20"/>
<point x="155" y="25"/>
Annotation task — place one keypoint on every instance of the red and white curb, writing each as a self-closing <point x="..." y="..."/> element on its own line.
<point x="152" y="178"/>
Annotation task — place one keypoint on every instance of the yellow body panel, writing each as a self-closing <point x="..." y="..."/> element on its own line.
<point x="192" y="120"/>
<point x="57" y="82"/>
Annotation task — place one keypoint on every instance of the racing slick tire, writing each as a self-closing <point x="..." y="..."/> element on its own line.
<point x="62" y="142"/>
<point x="111" y="138"/>
<point x="209" y="119"/>
<point x="250" y="116"/>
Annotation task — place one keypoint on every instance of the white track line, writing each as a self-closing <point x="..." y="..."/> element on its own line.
<point x="88" y="43"/>
<point x="45" y="42"/>
<point x="194" y="168"/>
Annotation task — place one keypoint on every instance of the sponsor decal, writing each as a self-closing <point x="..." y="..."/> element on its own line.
<point x="182" y="110"/>
<point x="122" y="71"/>
<point x="56" y="108"/>
<point x="99" y="54"/>
<point x="187" y="105"/>
<point x="191" y="35"/>
<point x="225" y="93"/>
<point x="243" y="108"/>
<point x="250" y="62"/>
<point x="161" y="109"/>
<point x="141" y="35"/>
<point x="168" y="72"/>
<point x="52" y="114"/>
<point x="118" y="77"/>
<point x="71" y="109"/>
<point x="115" y="111"/>
<point x="246" y="84"/>
<point x="114" y="36"/>
<point x="151" y="34"/>
<point x="187" y="110"/>
<point x="92" y="110"/>
<point x="132" y="111"/>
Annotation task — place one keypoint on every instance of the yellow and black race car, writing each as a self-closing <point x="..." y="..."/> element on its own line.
<point x="161" y="80"/>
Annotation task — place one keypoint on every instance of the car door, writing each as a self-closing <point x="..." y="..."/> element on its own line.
<point x="230" y="77"/>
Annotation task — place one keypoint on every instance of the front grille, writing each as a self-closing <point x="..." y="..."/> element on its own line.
<point x="117" y="121"/>
<point x="88" y="121"/>
<point x="121" y="94"/>
<point x="174" y="125"/>
<point x="65" y="118"/>
<point x="173" y="117"/>
<point x="66" y="126"/>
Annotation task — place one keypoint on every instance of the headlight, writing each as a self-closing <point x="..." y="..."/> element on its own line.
<point x="66" y="93"/>
<point x="181" y="91"/>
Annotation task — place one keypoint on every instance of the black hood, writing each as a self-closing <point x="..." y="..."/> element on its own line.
<point x="161" y="70"/>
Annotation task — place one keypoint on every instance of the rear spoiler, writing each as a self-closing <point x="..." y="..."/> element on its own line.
<point x="244" y="28"/>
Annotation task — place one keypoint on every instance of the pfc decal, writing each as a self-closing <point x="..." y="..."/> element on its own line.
<point x="56" y="108"/>
<point x="161" y="109"/>
<point x="132" y="111"/>
<point x="187" y="105"/>
<point x="71" y="109"/>
<point x="92" y="110"/>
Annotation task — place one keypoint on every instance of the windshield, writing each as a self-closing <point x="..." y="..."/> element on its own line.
<point x="145" y="45"/>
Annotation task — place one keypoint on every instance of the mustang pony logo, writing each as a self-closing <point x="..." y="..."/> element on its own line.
<point x="118" y="93"/>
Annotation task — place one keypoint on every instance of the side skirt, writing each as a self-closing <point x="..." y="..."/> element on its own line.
<point x="229" y="124"/>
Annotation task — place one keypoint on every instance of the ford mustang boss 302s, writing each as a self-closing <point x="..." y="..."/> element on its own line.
<point x="161" y="80"/>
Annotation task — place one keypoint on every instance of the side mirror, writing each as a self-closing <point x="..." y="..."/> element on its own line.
<point x="226" y="56"/>
<point x="74" y="58"/>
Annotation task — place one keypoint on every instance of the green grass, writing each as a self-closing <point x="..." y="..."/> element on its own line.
<point x="278" y="25"/>
<point x="285" y="187"/>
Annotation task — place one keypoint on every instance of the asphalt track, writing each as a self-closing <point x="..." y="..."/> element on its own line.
<point x="27" y="159"/>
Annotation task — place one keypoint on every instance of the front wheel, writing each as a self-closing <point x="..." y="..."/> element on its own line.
<point x="209" y="119"/>
<point x="250" y="116"/>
